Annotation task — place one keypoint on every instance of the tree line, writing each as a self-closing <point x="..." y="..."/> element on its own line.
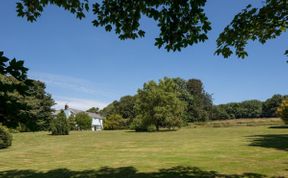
<point x="174" y="102"/>
<point x="169" y="103"/>
<point x="249" y="108"/>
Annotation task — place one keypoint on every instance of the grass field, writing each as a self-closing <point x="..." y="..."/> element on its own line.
<point x="255" y="151"/>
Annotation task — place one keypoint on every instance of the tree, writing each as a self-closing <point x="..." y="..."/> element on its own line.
<point x="94" y="110"/>
<point x="251" y="109"/>
<point x="59" y="125"/>
<point x="23" y="101"/>
<point x="83" y="120"/>
<point x="112" y="108"/>
<point x="72" y="122"/>
<point x="38" y="114"/>
<point x="270" y="105"/>
<point x="125" y="107"/>
<point x="159" y="105"/>
<point x="219" y="113"/>
<point x="181" y="23"/>
<point x="282" y="111"/>
<point x="115" y="122"/>
<point x="201" y="107"/>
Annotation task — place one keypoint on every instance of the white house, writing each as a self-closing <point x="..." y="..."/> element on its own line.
<point x="97" y="120"/>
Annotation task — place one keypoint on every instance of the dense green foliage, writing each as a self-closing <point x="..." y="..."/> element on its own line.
<point x="282" y="110"/>
<point x="245" y="109"/>
<point x="270" y="105"/>
<point x="248" y="109"/>
<point x="72" y="123"/>
<point x="83" y="121"/>
<point x="201" y="106"/>
<point x="5" y="137"/>
<point x="169" y="103"/>
<point x="24" y="104"/>
<point x="158" y="104"/>
<point x="125" y="107"/>
<point x="115" y="122"/>
<point x="253" y="23"/>
<point x="59" y="125"/>
<point x="181" y="23"/>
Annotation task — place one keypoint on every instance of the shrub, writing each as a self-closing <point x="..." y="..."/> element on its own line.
<point x="138" y="125"/>
<point x="83" y="121"/>
<point x="5" y="137"/>
<point x="282" y="111"/>
<point x="72" y="123"/>
<point x="151" y="128"/>
<point x="114" y="122"/>
<point x="59" y="125"/>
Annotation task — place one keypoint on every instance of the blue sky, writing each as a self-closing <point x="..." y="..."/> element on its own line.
<point x="85" y="66"/>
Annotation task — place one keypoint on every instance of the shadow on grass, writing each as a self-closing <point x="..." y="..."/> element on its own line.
<point x="159" y="131"/>
<point x="276" y="141"/>
<point x="125" y="172"/>
<point x="279" y="127"/>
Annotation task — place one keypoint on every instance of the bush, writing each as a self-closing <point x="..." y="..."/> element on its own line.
<point x="138" y="125"/>
<point x="5" y="137"/>
<point x="59" y="125"/>
<point x="72" y="123"/>
<point x="83" y="121"/>
<point x="151" y="128"/>
<point x="282" y="111"/>
<point x="115" y="122"/>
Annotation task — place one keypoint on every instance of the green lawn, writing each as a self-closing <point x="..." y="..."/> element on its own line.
<point x="189" y="152"/>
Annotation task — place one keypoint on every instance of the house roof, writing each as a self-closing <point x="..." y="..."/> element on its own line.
<point x="94" y="115"/>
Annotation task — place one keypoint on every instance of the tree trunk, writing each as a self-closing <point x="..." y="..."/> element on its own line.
<point x="157" y="127"/>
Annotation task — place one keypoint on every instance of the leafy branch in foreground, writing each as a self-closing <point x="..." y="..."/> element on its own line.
<point x="182" y="23"/>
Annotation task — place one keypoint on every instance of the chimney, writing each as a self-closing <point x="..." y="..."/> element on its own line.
<point x="66" y="106"/>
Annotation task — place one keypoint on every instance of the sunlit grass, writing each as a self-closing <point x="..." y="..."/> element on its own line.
<point x="231" y="150"/>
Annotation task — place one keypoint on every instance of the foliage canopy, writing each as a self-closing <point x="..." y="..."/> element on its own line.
<point x="83" y="121"/>
<point x="282" y="111"/>
<point x="181" y="23"/>
<point x="24" y="102"/>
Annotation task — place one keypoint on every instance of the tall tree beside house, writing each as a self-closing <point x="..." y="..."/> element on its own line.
<point x="59" y="125"/>
<point x="23" y="102"/>
<point x="181" y="23"/>
<point x="83" y="121"/>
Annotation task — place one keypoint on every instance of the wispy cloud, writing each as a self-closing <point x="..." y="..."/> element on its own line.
<point x="78" y="103"/>
<point x="74" y="84"/>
